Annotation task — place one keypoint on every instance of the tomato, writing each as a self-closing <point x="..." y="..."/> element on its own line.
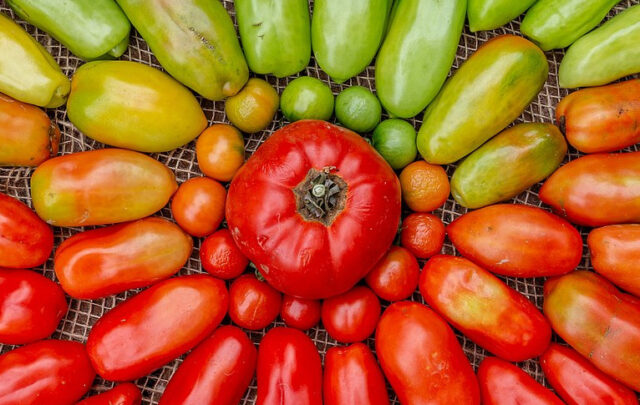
<point x="352" y="316"/>
<point x="198" y="206"/>
<point x="106" y="261"/>
<point x="314" y="208"/>
<point x="220" y="151"/>
<point x="156" y="326"/>
<point x="300" y="313"/>
<point x="422" y="359"/>
<point x="253" y="304"/>
<point x="25" y="240"/>
<point x="517" y="240"/>
<point x="123" y="394"/>
<point x="422" y="234"/>
<point x="221" y="257"/>
<point x="597" y="320"/>
<point x="502" y="383"/>
<point x="253" y="107"/>
<point x="352" y="376"/>
<point x="51" y="372"/>
<point x="425" y="187"/>
<point x="395" y="277"/>
<point x="216" y="372"/>
<point x="578" y="382"/>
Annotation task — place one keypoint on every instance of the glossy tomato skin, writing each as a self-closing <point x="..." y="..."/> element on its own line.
<point x="289" y="369"/>
<point x="395" y="277"/>
<point x="352" y="376"/>
<point x="578" y="382"/>
<point x="52" y="372"/>
<point x="300" y="313"/>
<point x="352" y="316"/>
<point x="253" y="304"/>
<point x="422" y="234"/>
<point x="290" y="251"/>
<point x="25" y="240"/>
<point x="221" y="257"/>
<point x="517" y="240"/>
<point x="198" y="206"/>
<point x="156" y="326"/>
<point x="122" y="394"/>
<point x="220" y="151"/>
<point x="422" y="359"/>
<point x="217" y="372"/>
<point x="31" y="306"/>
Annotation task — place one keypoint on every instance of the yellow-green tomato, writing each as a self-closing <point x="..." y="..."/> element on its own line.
<point x="253" y="108"/>
<point x="307" y="98"/>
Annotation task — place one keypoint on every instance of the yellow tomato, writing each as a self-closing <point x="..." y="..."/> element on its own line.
<point x="253" y="108"/>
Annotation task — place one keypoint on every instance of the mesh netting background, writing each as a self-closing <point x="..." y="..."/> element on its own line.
<point x="83" y="314"/>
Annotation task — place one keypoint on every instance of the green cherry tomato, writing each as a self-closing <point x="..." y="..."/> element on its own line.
<point x="358" y="109"/>
<point x="395" y="140"/>
<point x="306" y="98"/>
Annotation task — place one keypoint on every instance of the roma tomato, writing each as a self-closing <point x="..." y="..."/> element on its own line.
<point x="300" y="313"/>
<point x="422" y="234"/>
<point x="615" y="254"/>
<point x="198" y="206"/>
<point x="352" y="316"/>
<point x="52" y="372"/>
<point x="123" y="394"/>
<point x="156" y="326"/>
<point x="114" y="259"/>
<point x="220" y="151"/>
<point x="578" y="382"/>
<point x="217" y="372"/>
<point x="352" y="376"/>
<point x="253" y="304"/>
<point x="422" y="358"/>
<point x="311" y="192"/>
<point x="289" y="369"/>
<point x="31" y="306"/>
<point x="25" y="240"/>
<point x="221" y="257"/>
<point x="517" y="240"/>
<point x="395" y="277"/>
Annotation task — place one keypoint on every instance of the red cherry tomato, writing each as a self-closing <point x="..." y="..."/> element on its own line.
<point x="395" y="277"/>
<point x="422" y="234"/>
<point x="217" y="372"/>
<point x="253" y="304"/>
<point x="123" y="394"/>
<point x="300" y="313"/>
<point x="51" y="372"/>
<point x="198" y="206"/>
<point x="352" y="316"/>
<point x="221" y="257"/>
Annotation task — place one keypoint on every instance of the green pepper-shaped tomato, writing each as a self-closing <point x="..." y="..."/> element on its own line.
<point x="90" y="29"/>
<point x="490" y="90"/>
<point x="276" y="35"/>
<point x="607" y="53"/>
<point x="508" y="164"/>
<point x="491" y="14"/>
<point x="417" y="53"/>
<point x="195" y="41"/>
<point x="28" y="72"/>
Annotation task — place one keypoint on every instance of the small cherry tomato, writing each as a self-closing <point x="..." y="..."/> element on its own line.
<point x="220" y="151"/>
<point x="253" y="108"/>
<point x="300" y="313"/>
<point x="425" y="187"/>
<point x="198" y="206"/>
<point x="253" y="304"/>
<point x="352" y="316"/>
<point x="422" y="234"/>
<point x="123" y="394"/>
<point x="221" y="257"/>
<point x="395" y="277"/>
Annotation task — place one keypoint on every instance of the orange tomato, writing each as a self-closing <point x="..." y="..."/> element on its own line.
<point x="422" y="234"/>
<point x="425" y="187"/>
<point x="253" y="108"/>
<point x="198" y="206"/>
<point x="220" y="151"/>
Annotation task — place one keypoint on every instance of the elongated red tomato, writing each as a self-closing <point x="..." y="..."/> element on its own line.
<point x="485" y="309"/>
<point x="114" y="259"/>
<point x="517" y="240"/>
<point x="395" y="277"/>
<point x="217" y="372"/>
<point x="156" y="326"/>
<point x="422" y="359"/>
<point x="314" y="208"/>
<point x="289" y="369"/>
<point x="122" y="394"/>
<point x="31" y="306"/>
<point x="352" y="376"/>
<point x="578" y="382"/>
<point x="25" y="240"/>
<point x="51" y="372"/>
<point x="300" y="313"/>
<point x="352" y="316"/>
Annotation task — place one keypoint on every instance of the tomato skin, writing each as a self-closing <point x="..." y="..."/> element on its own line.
<point x="422" y="359"/>
<point x="106" y="261"/>
<point x="31" y="306"/>
<point x="198" y="206"/>
<point x="156" y="326"/>
<point x="220" y="151"/>
<point x="517" y="240"/>
<point x="221" y="257"/>
<point x="395" y="277"/>
<point x="578" y="382"/>
<point x="216" y="372"/>
<point x="300" y="313"/>
<point x="253" y="304"/>
<point x="122" y="394"/>
<point x="503" y="383"/>
<point x="289" y="369"/>
<point x="352" y="376"/>
<point x="352" y="316"/>
<point x="25" y="240"/>
<point x="52" y="372"/>
<point x="422" y="234"/>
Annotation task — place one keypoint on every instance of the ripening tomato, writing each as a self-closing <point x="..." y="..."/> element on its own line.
<point x="123" y="394"/>
<point x="395" y="277"/>
<point x="422" y="234"/>
<point x="253" y="304"/>
<point x="220" y="151"/>
<point x="198" y="206"/>
<point x="352" y="316"/>
<point x="300" y="313"/>
<point x="221" y="257"/>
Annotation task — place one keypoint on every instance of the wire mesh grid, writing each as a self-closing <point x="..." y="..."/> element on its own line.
<point x="83" y="314"/>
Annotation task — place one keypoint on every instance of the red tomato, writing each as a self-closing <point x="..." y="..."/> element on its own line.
<point x="123" y="394"/>
<point x="25" y="240"/>
<point x="253" y="304"/>
<point x="114" y="259"/>
<point x="578" y="382"/>
<point x="300" y="313"/>
<point x="502" y="383"/>
<point x="422" y="234"/>
<point x="156" y="326"/>
<point x="517" y="240"/>
<point x="198" y="206"/>
<point x="217" y="372"/>
<point x="352" y="316"/>
<point x="422" y="358"/>
<point x="395" y="277"/>
<point x="314" y="208"/>
<point x="51" y="372"/>
<point x="221" y="257"/>
<point x="352" y="376"/>
<point x="31" y="306"/>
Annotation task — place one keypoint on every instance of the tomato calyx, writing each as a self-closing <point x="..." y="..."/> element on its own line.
<point x="321" y="196"/>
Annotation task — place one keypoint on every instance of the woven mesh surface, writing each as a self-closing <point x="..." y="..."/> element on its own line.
<point x="83" y="314"/>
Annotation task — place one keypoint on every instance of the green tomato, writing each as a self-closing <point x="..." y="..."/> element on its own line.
<point x="358" y="109"/>
<point x="395" y="140"/>
<point x="306" y="98"/>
